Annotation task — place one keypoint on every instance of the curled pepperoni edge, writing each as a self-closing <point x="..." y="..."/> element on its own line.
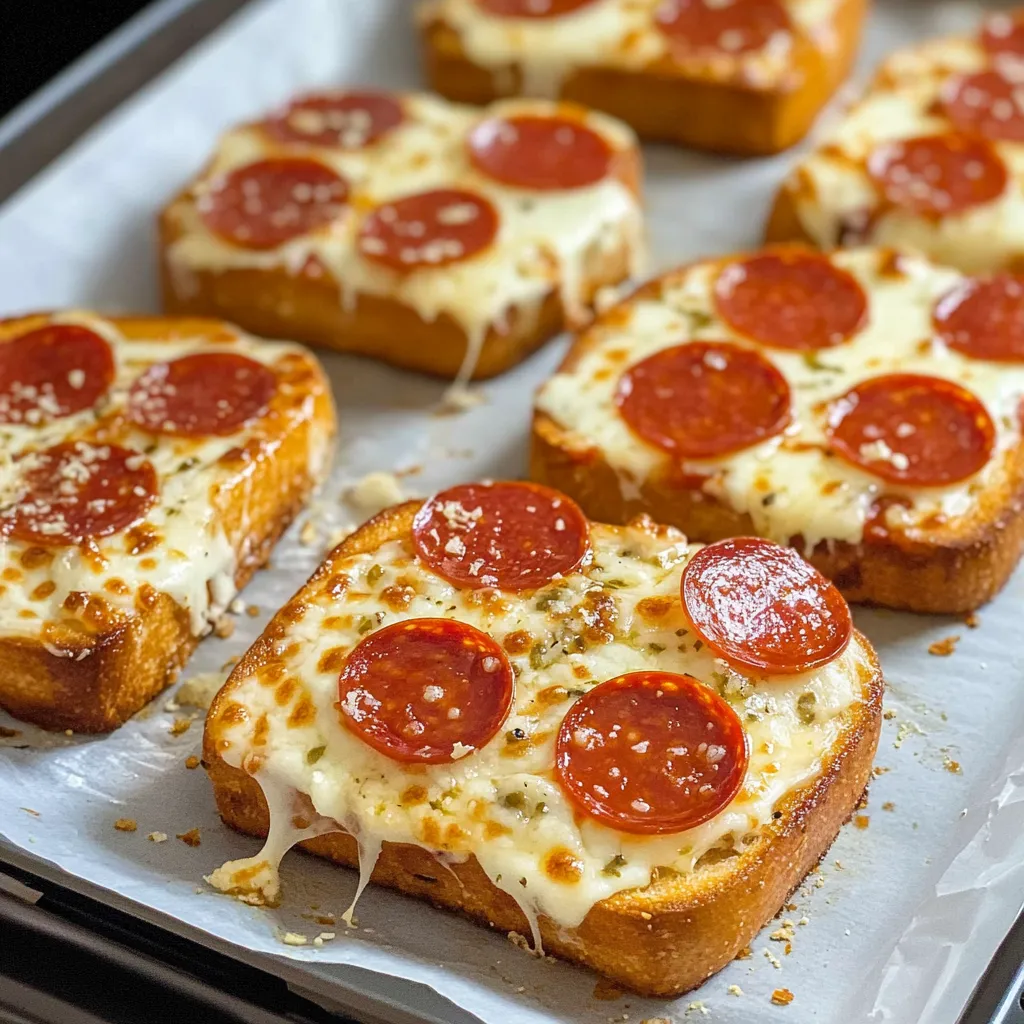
<point x="576" y="523"/>
<point x="394" y="747"/>
<point x="665" y="824"/>
<point x="691" y="588"/>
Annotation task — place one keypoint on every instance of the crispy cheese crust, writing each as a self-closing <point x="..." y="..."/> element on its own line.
<point x="661" y="940"/>
<point x="665" y="101"/>
<point x="94" y="666"/>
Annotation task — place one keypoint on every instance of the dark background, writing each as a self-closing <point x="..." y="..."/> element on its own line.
<point x="40" y="37"/>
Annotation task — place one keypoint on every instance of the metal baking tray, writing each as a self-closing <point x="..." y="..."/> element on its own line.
<point x="75" y="915"/>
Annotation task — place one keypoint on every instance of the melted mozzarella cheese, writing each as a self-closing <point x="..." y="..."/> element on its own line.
<point x="609" y="33"/>
<point x="547" y="240"/>
<point x="834" y="197"/>
<point x="501" y="804"/>
<point x="187" y="554"/>
<point x="820" y="497"/>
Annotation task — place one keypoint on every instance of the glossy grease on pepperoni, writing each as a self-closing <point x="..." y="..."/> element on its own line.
<point x="51" y="372"/>
<point x="76" y="491"/>
<point x="987" y="103"/>
<point x="761" y="607"/>
<point x="515" y="536"/>
<point x="265" y="204"/>
<point x="912" y="429"/>
<point x="651" y="753"/>
<point x="983" y="317"/>
<point x="200" y="394"/>
<point x="791" y="299"/>
<point x="429" y="229"/>
<point x="1002" y="34"/>
<point x="938" y="175"/>
<point x="532" y="8"/>
<point x="711" y="26"/>
<point x="704" y="400"/>
<point x="541" y="153"/>
<point x="349" y="120"/>
<point x="426" y="690"/>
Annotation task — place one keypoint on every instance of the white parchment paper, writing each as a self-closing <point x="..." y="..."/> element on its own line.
<point x="914" y="897"/>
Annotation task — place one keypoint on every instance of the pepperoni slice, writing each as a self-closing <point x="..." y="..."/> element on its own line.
<point x="651" y="753"/>
<point x="427" y="690"/>
<point x="53" y="371"/>
<point x="704" y="399"/>
<point x="912" y="429"/>
<point x="265" y="204"/>
<point x="761" y="606"/>
<point x="542" y="153"/>
<point x="202" y="393"/>
<point x="532" y="8"/>
<point x="349" y="120"/>
<point x="76" y="491"/>
<point x="937" y="175"/>
<point x="711" y="26"/>
<point x="1003" y="35"/>
<point x="792" y="300"/>
<point x="429" y="229"/>
<point x="987" y="103"/>
<point x="984" y="318"/>
<point x="516" y="536"/>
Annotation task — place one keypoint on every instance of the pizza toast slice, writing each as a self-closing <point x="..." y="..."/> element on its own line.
<point x="747" y="77"/>
<point x="429" y="235"/>
<point x="931" y="157"/>
<point x="554" y="726"/>
<point x="862" y="405"/>
<point x="149" y="466"/>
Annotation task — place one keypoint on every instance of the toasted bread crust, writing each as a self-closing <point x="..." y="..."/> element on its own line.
<point x="951" y="568"/>
<point x="109" y="671"/>
<point x="313" y="309"/>
<point x="661" y="102"/>
<point x="661" y="940"/>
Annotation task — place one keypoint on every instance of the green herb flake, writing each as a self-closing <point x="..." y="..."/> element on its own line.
<point x="576" y="691"/>
<point x="698" y="319"/>
<point x="813" y="362"/>
<point x="551" y="597"/>
<point x="541" y="808"/>
<point x="805" y="707"/>
<point x="614" y="584"/>
<point x="682" y="632"/>
<point x="537" y="656"/>
<point x="314" y="755"/>
<point x="364" y="625"/>
<point x="515" y="800"/>
<point x="612" y="867"/>
<point x="373" y="577"/>
<point x="655" y="648"/>
<point x="698" y="644"/>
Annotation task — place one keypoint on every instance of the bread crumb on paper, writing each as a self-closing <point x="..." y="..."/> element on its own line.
<point x="734" y="990"/>
<point x="951" y="766"/>
<point x="294" y="939"/>
<point x="179" y="726"/>
<point x="126" y="824"/>
<point x="745" y="953"/>
<point x="309" y="534"/>
<point x="192" y="761"/>
<point x="199" y="690"/>
<point x="945" y="647"/>
<point x="783" y="933"/>
<point x="374" y="493"/>
<point x="157" y="837"/>
<point x="888" y="714"/>
<point x="782" y="997"/>
<point x="28" y="810"/>
<point x="971" y="620"/>
<point x="697" y="1006"/>
<point x="190" y="838"/>
<point x="237" y="606"/>
<point x="323" y="937"/>
<point x="772" y="959"/>
<point x="224" y="627"/>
